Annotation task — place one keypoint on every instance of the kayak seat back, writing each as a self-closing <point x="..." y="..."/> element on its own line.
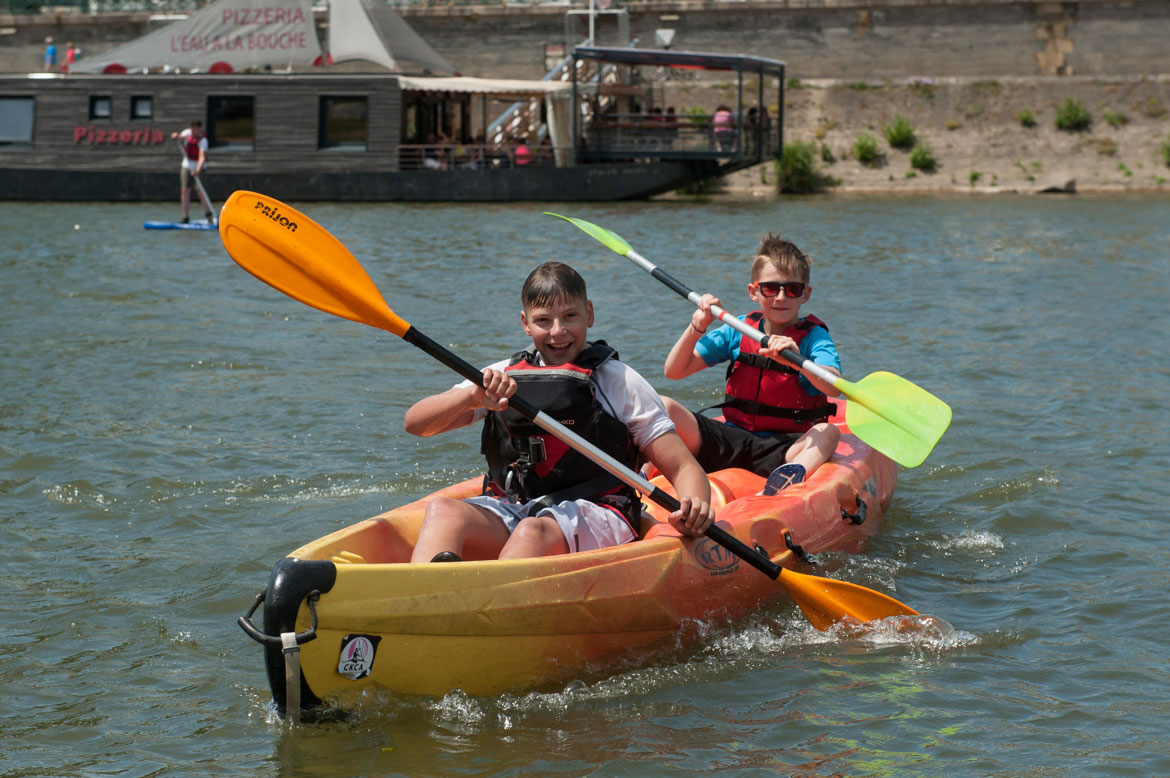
<point x="654" y="517"/>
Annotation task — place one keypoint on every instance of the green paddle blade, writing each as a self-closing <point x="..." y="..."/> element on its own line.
<point x="895" y="416"/>
<point x="606" y="237"/>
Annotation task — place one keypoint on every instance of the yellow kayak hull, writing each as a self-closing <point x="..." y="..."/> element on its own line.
<point x="492" y="626"/>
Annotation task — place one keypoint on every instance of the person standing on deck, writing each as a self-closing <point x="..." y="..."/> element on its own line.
<point x="194" y="144"/>
<point x="50" y="54"/>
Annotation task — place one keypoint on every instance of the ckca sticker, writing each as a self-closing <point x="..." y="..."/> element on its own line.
<point x="357" y="655"/>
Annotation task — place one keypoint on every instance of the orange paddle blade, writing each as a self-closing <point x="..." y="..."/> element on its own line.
<point x="292" y="253"/>
<point x="827" y="601"/>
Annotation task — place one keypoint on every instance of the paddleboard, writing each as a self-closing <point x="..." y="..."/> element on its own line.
<point x="202" y="224"/>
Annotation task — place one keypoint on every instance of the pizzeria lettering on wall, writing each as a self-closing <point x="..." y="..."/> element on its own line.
<point x="144" y="136"/>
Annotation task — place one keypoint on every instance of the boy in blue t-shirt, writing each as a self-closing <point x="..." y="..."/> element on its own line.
<point x="776" y="416"/>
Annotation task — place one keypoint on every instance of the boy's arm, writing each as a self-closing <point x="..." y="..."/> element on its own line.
<point x="670" y="455"/>
<point x="456" y="407"/>
<point x="683" y="360"/>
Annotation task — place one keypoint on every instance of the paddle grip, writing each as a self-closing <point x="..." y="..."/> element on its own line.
<point x="671" y="281"/>
<point x="444" y="355"/>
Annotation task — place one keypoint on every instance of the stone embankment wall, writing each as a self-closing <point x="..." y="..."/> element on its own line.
<point x="841" y="39"/>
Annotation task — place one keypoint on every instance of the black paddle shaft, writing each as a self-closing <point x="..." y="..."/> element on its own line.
<point x="530" y="412"/>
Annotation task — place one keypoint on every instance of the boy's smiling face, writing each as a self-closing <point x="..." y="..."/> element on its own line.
<point x="558" y="329"/>
<point x="781" y="311"/>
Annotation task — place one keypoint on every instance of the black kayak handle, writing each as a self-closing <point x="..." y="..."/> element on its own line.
<point x="251" y="630"/>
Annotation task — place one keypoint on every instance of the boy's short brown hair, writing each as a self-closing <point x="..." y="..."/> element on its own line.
<point x="783" y="255"/>
<point x="550" y="282"/>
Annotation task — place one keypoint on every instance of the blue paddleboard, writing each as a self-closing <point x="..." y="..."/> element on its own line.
<point x="195" y="225"/>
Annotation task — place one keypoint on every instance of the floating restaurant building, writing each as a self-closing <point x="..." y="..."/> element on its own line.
<point x="280" y="120"/>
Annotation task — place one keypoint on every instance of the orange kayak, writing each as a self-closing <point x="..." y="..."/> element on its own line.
<point x="347" y="614"/>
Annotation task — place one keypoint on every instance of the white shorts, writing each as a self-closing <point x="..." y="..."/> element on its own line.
<point x="587" y="525"/>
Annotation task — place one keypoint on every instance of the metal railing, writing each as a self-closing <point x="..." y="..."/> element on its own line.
<point x="101" y="6"/>
<point x="663" y="135"/>
<point x="469" y="156"/>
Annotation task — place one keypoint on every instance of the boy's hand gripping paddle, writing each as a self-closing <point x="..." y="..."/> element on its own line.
<point x="896" y="417"/>
<point x="289" y="251"/>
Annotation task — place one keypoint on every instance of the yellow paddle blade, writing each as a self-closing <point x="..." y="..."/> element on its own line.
<point x="827" y="601"/>
<point x="292" y="253"/>
<point x="895" y="416"/>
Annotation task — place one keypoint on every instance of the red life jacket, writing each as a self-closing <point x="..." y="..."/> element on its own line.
<point x="527" y="463"/>
<point x="191" y="146"/>
<point x="763" y="395"/>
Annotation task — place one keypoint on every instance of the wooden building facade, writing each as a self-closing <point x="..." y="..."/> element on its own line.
<point x="342" y="137"/>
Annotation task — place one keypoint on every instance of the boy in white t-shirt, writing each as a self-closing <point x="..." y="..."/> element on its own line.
<point x="542" y="498"/>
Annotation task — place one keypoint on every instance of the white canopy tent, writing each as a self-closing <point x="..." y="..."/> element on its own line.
<point x="371" y="30"/>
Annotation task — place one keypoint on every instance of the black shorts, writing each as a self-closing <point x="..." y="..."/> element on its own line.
<point x="726" y="446"/>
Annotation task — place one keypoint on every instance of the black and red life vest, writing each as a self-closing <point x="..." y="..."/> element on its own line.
<point x="763" y="395"/>
<point x="526" y="463"/>
<point x="191" y="146"/>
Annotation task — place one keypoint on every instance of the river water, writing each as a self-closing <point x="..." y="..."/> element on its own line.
<point x="171" y="428"/>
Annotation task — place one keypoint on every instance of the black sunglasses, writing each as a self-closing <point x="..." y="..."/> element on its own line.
<point x="792" y="289"/>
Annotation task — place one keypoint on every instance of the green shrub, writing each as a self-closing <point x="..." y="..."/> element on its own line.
<point x="796" y="168"/>
<point x="865" y="148"/>
<point x="922" y="158"/>
<point x="794" y="83"/>
<point x="1166" y="151"/>
<point x="826" y="153"/>
<point x="1072" y="116"/>
<point x="1025" y="118"/>
<point x="1115" y="119"/>
<point x="973" y="179"/>
<point x="899" y="133"/>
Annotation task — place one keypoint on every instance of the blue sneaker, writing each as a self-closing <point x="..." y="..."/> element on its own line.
<point x="782" y="477"/>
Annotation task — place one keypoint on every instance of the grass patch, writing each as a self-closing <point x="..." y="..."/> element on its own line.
<point x="953" y="125"/>
<point x="1166" y="151"/>
<point x="1072" y="116"/>
<point x="1115" y="120"/>
<point x="794" y="83"/>
<point x="865" y="148"/>
<point x="922" y="158"/>
<point x="796" y="169"/>
<point x="1106" y="147"/>
<point x="1125" y="171"/>
<point x="925" y="91"/>
<point x="973" y="177"/>
<point x="1154" y="108"/>
<point x="1025" y="118"/>
<point x="899" y="134"/>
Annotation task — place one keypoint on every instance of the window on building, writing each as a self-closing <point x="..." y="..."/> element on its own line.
<point x="16" y="121"/>
<point x="231" y="122"/>
<point x="343" y="123"/>
<point x="141" y="107"/>
<point x="99" y="107"/>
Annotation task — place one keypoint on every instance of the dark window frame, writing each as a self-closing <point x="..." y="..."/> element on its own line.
<point x="93" y="103"/>
<point x="326" y="141"/>
<point x="27" y="142"/>
<point x="135" y="101"/>
<point x="215" y="139"/>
